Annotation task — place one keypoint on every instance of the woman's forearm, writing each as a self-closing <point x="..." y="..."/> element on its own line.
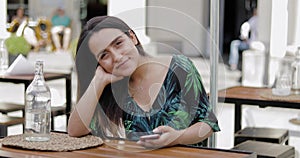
<point x="83" y="111"/>
<point x="194" y="134"/>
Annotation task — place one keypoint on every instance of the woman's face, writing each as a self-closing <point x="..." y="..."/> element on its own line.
<point x="115" y="51"/>
<point x="20" y="12"/>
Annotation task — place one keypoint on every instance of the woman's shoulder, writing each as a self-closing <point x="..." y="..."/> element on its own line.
<point x="182" y="61"/>
<point x="174" y="61"/>
<point x="164" y="59"/>
<point x="169" y="58"/>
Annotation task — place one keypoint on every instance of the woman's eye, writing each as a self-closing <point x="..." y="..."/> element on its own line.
<point x="119" y="42"/>
<point x="103" y="55"/>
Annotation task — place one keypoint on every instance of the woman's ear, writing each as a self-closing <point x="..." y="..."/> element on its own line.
<point x="133" y="37"/>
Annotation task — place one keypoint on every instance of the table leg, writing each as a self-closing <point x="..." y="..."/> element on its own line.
<point x="68" y="96"/>
<point x="26" y="84"/>
<point x="237" y="117"/>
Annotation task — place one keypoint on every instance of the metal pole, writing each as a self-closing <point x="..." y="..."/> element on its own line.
<point x="214" y="45"/>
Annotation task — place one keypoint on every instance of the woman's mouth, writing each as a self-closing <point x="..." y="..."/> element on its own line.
<point x="122" y="63"/>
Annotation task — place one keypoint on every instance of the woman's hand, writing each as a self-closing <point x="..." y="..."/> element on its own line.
<point x="168" y="137"/>
<point x="102" y="77"/>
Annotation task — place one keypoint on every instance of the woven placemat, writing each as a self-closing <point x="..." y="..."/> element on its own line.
<point x="269" y="95"/>
<point x="58" y="142"/>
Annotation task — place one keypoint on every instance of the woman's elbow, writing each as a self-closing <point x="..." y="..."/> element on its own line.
<point x="77" y="129"/>
<point x="77" y="132"/>
<point x="73" y="133"/>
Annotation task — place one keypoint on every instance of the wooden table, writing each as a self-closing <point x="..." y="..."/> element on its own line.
<point x="27" y="79"/>
<point x="240" y="95"/>
<point x="107" y="151"/>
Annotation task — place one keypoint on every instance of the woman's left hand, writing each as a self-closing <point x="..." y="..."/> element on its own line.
<point x="168" y="137"/>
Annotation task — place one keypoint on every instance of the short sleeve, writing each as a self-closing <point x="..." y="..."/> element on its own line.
<point x="194" y="97"/>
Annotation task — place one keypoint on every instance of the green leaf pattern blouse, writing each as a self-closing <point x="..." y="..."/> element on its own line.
<point x="181" y="102"/>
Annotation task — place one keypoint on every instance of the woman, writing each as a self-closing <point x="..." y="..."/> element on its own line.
<point x="20" y="15"/>
<point x="125" y="93"/>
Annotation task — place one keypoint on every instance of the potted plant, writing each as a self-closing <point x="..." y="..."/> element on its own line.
<point x="16" y="44"/>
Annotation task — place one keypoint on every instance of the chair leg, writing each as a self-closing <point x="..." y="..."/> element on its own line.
<point x="3" y="131"/>
<point x="52" y="123"/>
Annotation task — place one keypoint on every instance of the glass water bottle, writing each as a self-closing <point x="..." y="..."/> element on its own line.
<point x="38" y="107"/>
<point x="283" y="80"/>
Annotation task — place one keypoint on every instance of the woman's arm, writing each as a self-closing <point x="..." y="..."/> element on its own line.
<point x="83" y="111"/>
<point x="194" y="134"/>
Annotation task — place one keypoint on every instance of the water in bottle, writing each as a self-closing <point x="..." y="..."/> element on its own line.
<point x="38" y="108"/>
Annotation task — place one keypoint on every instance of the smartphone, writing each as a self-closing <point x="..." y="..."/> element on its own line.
<point x="151" y="136"/>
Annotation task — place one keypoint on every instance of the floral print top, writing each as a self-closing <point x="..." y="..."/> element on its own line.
<point x="180" y="103"/>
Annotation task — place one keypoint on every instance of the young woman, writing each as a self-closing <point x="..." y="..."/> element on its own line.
<point x="125" y="93"/>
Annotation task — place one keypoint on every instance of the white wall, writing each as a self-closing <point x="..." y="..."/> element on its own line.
<point x="3" y="15"/>
<point x="264" y="21"/>
<point x="180" y="24"/>
<point x="293" y="22"/>
<point x="278" y="27"/>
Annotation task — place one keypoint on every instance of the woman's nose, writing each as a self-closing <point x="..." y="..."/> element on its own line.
<point x="117" y="56"/>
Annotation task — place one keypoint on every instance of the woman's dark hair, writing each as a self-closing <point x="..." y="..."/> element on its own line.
<point x="86" y="63"/>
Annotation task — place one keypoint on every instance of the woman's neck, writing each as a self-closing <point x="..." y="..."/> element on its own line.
<point x="141" y="71"/>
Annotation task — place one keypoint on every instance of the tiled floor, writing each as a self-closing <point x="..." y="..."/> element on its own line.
<point x="253" y="116"/>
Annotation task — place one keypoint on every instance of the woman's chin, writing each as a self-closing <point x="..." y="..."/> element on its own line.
<point x="124" y="73"/>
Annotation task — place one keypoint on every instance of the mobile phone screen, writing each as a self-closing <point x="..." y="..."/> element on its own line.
<point x="151" y="136"/>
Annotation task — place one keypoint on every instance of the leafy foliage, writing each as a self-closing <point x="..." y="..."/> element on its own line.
<point x="17" y="45"/>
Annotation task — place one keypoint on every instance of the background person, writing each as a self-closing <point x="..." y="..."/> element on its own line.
<point x="244" y="42"/>
<point x="20" y="15"/>
<point x="125" y="93"/>
<point x="61" y="24"/>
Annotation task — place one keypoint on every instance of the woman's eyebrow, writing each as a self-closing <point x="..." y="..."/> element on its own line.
<point x="112" y="42"/>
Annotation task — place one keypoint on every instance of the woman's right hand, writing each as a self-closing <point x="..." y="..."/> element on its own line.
<point x="102" y="77"/>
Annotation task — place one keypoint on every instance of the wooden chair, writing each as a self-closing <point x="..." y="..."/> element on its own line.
<point x="10" y="107"/>
<point x="6" y="121"/>
<point x="56" y="111"/>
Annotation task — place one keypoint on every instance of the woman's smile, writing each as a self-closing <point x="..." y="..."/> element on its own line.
<point x="122" y="63"/>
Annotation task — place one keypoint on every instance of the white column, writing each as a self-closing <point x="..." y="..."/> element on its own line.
<point x="279" y="27"/>
<point x="297" y="23"/>
<point x="3" y="16"/>
<point x="278" y="36"/>
<point x="133" y="12"/>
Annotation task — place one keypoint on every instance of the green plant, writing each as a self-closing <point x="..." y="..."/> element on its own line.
<point x="17" y="45"/>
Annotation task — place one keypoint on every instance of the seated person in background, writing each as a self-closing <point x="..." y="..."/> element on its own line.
<point x="244" y="42"/>
<point x="61" y="24"/>
<point x="19" y="22"/>
<point x="43" y="35"/>
<point x="19" y="27"/>
<point x="20" y="15"/>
